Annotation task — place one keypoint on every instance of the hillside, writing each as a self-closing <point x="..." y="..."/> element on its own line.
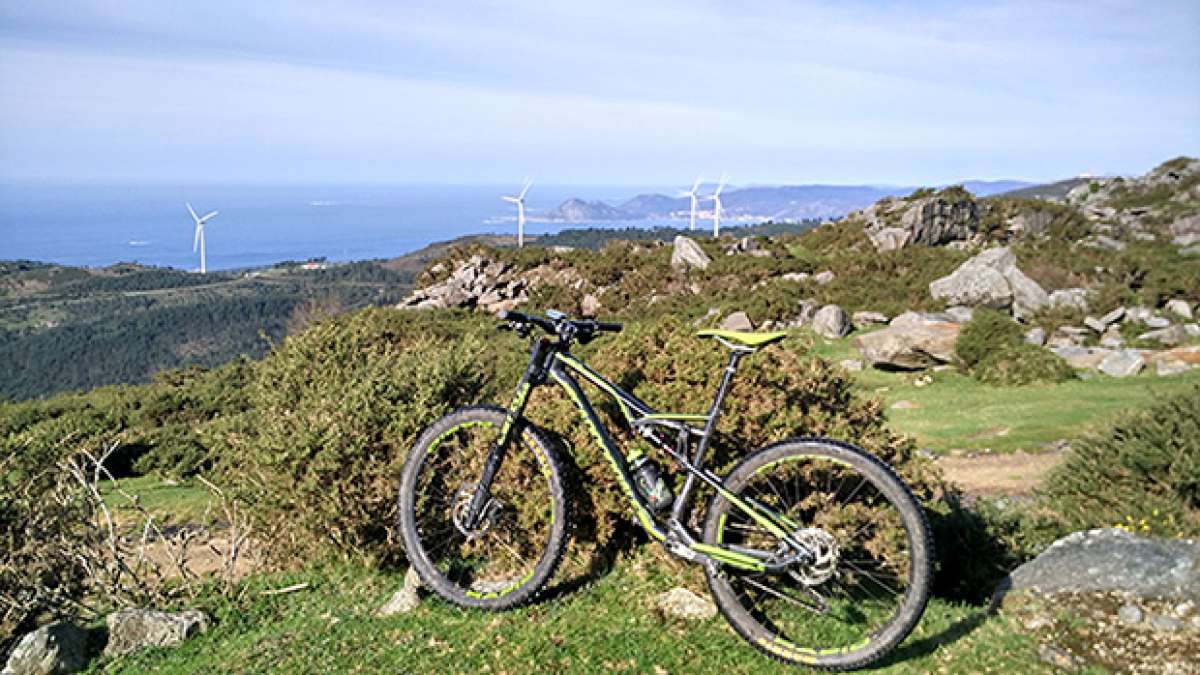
<point x="307" y="442"/>
<point x="64" y="328"/>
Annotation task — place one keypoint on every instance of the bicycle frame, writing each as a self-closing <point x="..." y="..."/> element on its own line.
<point x="552" y="360"/>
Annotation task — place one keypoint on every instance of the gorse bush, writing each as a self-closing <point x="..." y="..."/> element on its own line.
<point x="335" y="410"/>
<point x="986" y="332"/>
<point x="1022" y="364"/>
<point x="1142" y="472"/>
<point x="992" y="348"/>
<point x="333" y="413"/>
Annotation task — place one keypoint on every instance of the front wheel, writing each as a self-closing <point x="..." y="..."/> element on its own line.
<point x="510" y="554"/>
<point x="865" y="580"/>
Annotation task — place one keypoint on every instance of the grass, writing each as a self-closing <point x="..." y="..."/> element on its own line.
<point x="180" y="501"/>
<point x="607" y="625"/>
<point x="957" y="413"/>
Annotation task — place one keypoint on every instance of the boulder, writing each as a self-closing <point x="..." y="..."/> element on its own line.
<point x="1082" y="358"/>
<point x="1036" y="336"/>
<point x="1069" y="298"/>
<point x="992" y="279"/>
<point x="1180" y="308"/>
<point x="687" y="253"/>
<point x="1028" y="296"/>
<point x="1186" y="226"/>
<point x="1156" y="322"/>
<point x="979" y="282"/>
<point x="1165" y="366"/>
<point x="59" y="647"/>
<point x="960" y="314"/>
<point x="590" y="305"/>
<point x="1111" y="561"/>
<point x="1067" y="336"/>
<point x="863" y="319"/>
<point x="911" y="318"/>
<point x="889" y="238"/>
<point x="1167" y="336"/>
<point x="851" y="365"/>
<point x="1123" y="363"/>
<point x="682" y="603"/>
<point x="911" y="345"/>
<point x="406" y="599"/>
<point x="831" y="322"/>
<point x="1095" y="324"/>
<point x="823" y="277"/>
<point x="798" y="277"/>
<point x="132" y="629"/>
<point x="737" y="321"/>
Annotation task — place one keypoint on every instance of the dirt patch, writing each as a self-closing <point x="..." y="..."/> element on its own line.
<point x="1017" y="473"/>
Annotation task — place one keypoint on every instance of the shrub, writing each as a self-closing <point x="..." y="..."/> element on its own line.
<point x="1021" y="364"/>
<point x="1142" y="472"/>
<point x="986" y="332"/>
<point x="333" y="413"/>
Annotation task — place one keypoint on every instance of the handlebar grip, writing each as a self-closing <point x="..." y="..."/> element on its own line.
<point x="609" y="327"/>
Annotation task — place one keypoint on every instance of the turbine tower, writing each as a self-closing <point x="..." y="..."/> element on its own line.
<point x="716" y="200"/>
<point x="519" y="200"/>
<point x="692" y="193"/>
<point x="198" y="240"/>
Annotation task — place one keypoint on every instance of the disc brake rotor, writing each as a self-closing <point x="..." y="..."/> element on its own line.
<point x="462" y="504"/>
<point x="825" y="554"/>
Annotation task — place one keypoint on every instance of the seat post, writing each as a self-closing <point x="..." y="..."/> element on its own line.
<point x="735" y="356"/>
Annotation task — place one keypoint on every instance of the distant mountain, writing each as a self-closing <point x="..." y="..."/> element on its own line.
<point x="1054" y="191"/>
<point x="753" y="204"/>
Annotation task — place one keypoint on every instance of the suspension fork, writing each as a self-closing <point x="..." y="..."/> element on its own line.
<point x="535" y="374"/>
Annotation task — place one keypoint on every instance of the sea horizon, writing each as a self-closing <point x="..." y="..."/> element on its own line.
<point x="97" y="224"/>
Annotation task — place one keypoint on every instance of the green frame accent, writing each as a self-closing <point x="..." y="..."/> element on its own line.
<point x="775" y="523"/>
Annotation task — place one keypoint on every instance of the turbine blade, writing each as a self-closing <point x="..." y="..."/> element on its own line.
<point x="528" y="184"/>
<point x="696" y="185"/>
<point x="196" y="239"/>
<point x="205" y="218"/>
<point x="192" y="211"/>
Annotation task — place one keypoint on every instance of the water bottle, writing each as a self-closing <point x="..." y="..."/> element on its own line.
<point x="650" y="483"/>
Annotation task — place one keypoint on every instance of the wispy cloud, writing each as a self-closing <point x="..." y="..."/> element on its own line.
<point x="595" y="92"/>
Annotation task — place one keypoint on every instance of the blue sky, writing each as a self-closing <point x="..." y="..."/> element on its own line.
<point x="607" y="93"/>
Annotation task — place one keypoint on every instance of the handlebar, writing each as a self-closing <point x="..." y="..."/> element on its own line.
<point x="583" y="330"/>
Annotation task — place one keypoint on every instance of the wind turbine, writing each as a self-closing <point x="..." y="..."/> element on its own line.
<point x="519" y="200"/>
<point x="198" y="241"/>
<point x="692" y="193"/>
<point x="716" y="200"/>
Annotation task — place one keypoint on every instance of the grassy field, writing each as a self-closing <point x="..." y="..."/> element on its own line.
<point x="608" y="624"/>
<point x="956" y="413"/>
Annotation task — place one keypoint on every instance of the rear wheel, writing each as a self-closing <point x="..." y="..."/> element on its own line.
<point x="867" y="581"/>
<point x="510" y="555"/>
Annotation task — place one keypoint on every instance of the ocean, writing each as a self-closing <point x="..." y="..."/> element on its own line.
<point x="100" y="224"/>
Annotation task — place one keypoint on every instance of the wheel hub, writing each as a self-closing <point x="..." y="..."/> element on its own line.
<point x="825" y="556"/>
<point x="461" y="507"/>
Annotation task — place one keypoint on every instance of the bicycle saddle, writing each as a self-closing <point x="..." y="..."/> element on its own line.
<point x="744" y="338"/>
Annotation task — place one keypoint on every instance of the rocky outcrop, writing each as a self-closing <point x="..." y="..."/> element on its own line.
<point x="951" y="215"/>
<point x="60" y="647"/>
<point x="475" y="282"/>
<point x="912" y="342"/>
<point x="991" y="279"/>
<point x="687" y="253"/>
<point x="132" y="629"/>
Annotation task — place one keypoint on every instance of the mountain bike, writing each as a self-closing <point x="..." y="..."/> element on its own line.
<point x="814" y="550"/>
